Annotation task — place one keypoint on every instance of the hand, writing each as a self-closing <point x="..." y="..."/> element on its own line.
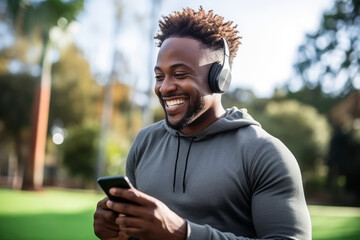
<point x="105" y="226"/>
<point x="148" y="218"/>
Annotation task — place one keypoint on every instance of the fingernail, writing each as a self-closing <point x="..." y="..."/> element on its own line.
<point x="112" y="190"/>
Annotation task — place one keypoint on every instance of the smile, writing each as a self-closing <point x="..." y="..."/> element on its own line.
<point x="175" y="102"/>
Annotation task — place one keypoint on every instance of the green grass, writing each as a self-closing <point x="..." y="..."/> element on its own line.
<point x="66" y="214"/>
<point x="335" y="223"/>
<point x="49" y="214"/>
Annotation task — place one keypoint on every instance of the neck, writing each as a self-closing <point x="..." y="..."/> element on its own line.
<point x="205" y="120"/>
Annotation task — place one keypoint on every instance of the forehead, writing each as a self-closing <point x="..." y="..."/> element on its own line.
<point x="180" y="50"/>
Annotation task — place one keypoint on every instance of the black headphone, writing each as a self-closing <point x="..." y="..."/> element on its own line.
<point x="220" y="74"/>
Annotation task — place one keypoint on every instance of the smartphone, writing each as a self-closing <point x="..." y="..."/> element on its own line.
<point x="108" y="182"/>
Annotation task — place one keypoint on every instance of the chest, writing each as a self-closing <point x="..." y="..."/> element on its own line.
<point x="202" y="177"/>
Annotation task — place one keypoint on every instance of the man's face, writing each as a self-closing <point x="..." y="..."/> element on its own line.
<point x="181" y="71"/>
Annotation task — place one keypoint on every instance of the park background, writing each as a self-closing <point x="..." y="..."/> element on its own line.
<point x="76" y="83"/>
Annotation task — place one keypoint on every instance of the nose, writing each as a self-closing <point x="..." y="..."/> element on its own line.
<point x="167" y="85"/>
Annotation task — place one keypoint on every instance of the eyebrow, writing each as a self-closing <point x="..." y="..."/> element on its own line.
<point x="174" y="66"/>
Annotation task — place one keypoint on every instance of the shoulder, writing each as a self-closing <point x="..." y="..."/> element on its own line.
<point x="267" y="154"/>
<point x="256" y="139"/>
<point x="145" y="139"/>
<point x="260" y="139"/>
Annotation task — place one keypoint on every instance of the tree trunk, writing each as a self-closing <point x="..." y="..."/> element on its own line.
<point x="20" y="162"/>
<point x="35" y="169"/>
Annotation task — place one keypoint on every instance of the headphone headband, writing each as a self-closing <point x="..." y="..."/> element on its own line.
<point x="226" y="53"/>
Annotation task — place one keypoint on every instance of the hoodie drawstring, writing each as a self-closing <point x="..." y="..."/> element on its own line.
<point x="177" y="158"/>
<point x="186" y="162"/>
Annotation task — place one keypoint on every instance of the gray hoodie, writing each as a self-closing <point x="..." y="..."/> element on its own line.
<point x="231" y="180"/>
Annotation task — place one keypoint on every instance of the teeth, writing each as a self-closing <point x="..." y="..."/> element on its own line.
<point x="173" y="103"/>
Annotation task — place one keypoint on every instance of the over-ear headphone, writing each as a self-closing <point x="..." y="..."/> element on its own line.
<point x="220" y="74"/>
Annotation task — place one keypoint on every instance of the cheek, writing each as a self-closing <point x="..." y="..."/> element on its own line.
<point x="204" y="87"/>
<point x="205" y="80"/>
<point x="199" y="86"/>
<point x="157" y="89"/>
<point x="158" y="94"/>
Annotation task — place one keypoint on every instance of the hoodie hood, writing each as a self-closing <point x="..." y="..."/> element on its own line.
<point x="234" y="118"/>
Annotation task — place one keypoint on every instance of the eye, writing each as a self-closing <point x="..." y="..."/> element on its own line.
<point x="159" y="77"/>
<point x="180" y="75"/>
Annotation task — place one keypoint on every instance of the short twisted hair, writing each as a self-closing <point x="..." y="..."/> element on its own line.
<point x="206" y="27"/>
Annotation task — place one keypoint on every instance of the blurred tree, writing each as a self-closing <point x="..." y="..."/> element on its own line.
<point x="344" y="155"/>
<point x="127" y="117"/>
<point x="75" y="94"/>
<point x="76" y="103"/>
<point x="80" y="152"/>
<point x="316" y="98"/>
<point x="245" y="98"/>
<point x="32" y="18"/>
<point x="117" y="147"/>
<point x="328" y="66"/>
<point x="303" y="130"/>
<point x="126" y="121"/>
<point x="330" y="57"/>
<point x="238" y="96"/>
<point x="16" y="99"/>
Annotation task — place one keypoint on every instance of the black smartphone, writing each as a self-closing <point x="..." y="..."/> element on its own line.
<point x="108" y="182"/>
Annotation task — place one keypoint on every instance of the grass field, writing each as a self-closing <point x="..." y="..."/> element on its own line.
<point x="51" y="214"/>
<point x="65" y="214"/>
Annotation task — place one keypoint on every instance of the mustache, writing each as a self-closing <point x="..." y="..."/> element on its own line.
<point x="170" y="95"/>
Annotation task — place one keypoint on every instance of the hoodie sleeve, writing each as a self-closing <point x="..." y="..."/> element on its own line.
<point x="131" y="160"/>
<point x="278" y="204"/>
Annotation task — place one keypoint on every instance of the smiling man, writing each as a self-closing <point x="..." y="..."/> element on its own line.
<point x="205" y="172"/>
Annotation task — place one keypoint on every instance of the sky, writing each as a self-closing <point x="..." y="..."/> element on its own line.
<point x="271" y="33"/>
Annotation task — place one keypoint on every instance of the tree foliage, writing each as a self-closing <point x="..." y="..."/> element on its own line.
<point x="344" y="155"/>
<point x="330" y="57"/>
<point x="42" y="15"/>
<point x="16" y="98"/>
<point x="80" y="149"/>
<point x="75" y="94"/>
<point x="303" y="130"/>
<point x="316" y="98"/>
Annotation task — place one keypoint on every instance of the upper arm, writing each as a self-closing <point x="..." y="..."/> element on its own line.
<point x="278" y="202"/>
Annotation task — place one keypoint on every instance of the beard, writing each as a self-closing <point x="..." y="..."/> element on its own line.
<point x="189" y="116"/>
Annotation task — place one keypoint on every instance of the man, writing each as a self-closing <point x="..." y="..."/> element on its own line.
<point x="204" y="172"/>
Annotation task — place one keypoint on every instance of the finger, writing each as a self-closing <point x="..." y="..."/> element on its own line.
<point x="130" y="222"/>
<point x="123" y="208"/>
<point x="106" y="225"/>
<point x="122" y="235"/>
<point x="105" y="219"/>
<point x="102" y="204"/>
<point x="103" y="228"/>
<point x="107" y="215"/>
<point x="129" y="230"/>
<point x="133" y="195"/>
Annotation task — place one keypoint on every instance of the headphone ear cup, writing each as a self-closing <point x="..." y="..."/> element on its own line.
<point x="220" y="74"/>
<point x="214" y="77"/>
